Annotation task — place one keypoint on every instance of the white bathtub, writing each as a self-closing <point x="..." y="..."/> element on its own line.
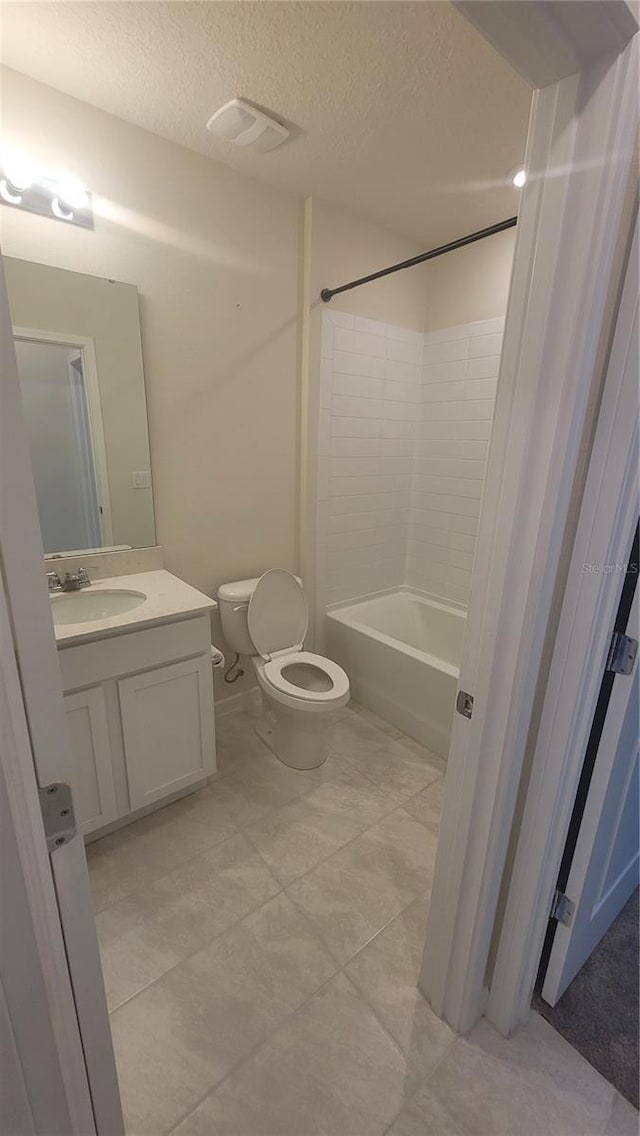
<point x="402" y="653"/>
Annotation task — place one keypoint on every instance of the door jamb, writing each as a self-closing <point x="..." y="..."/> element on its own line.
<point x="604" y="536"/>
<point x="567" y="265"/>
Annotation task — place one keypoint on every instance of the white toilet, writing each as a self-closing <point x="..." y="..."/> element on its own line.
<point x="267" y="618"/>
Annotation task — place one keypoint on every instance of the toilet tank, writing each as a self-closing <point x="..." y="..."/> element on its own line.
<point x="233" y="602"/>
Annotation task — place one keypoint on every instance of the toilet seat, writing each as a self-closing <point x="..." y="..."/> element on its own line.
<point x="297" y="699"/>
<point x="277" y="619"/>
<point x="273" y="669"/>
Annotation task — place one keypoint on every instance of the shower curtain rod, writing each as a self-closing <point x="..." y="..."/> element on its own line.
<point x="328" y="293"/>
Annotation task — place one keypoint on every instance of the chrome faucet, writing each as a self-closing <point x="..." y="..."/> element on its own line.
<point x="73" y="581"/>
<point x="54" y="583"/>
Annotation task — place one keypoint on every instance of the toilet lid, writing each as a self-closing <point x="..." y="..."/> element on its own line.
<point x="278" y="615"/>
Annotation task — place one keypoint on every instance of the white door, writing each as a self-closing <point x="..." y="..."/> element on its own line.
<point x="73" y="990"/>
<point x="39" y="1093"/>
<point x="603" y="870"/>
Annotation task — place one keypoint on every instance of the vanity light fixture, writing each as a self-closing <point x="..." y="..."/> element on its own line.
<point x="519" y="177"/>
<point x="64" y="199"/>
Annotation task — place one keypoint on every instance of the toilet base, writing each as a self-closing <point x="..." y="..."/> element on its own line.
<point x="297" y="739"/>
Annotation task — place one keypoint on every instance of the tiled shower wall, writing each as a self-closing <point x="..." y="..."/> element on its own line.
<point x="404" y="428"/>
<point x="370" y="391"/>
<point x="458" y="390"/>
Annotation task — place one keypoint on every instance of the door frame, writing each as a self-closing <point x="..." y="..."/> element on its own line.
<point x="33" y="645"/>
<point x="572" y="240"/>
<point x="605" y="533"/>
<point x="85" y="344"/>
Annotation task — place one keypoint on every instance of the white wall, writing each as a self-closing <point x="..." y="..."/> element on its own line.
<point x="459" y="378"/>
<point x="471" y="283"/>
<point x="215" y="257"/>
<point x="344" y="247"/>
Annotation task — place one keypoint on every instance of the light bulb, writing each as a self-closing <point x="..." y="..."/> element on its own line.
<point x="18" y="171"/>
<point x="519" y="178"/>
<point x="8" y="194"/>
<point x="73" y="194"/>
<point x="61" y="210"/>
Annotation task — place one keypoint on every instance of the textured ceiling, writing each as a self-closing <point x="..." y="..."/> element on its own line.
<point x="400" y="111"/>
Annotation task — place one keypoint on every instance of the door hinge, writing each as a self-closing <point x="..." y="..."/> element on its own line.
<point x="622" y="654"/>
<point x="562" y="908"/>
<point x="58" y="817"/>
<point x="464" y="704"/>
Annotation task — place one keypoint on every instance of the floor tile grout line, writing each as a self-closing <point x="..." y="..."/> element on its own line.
<point x="341" y="848"/>
<point x="222" y="777"/>
<point x="427" y="1077"/>
<point x="340" y="969"/>
<point x="247" y="1056"/>
<point x="324" y="859"/>
<point x="396" y="806"/>
<point x="243" y="830"/>
<point x="389" y="739"/>
<point x="276" y="1029"/>
<point x="376" y="748"/>
<point x="369" y="940"/>
<point x="373" y="752"/>
<point x="405" y="1080"/>
<point x="203" y="946"/>
<point x="283" y="889"/>
<point x="175" y="868"/>
<point x="362" y="994"/>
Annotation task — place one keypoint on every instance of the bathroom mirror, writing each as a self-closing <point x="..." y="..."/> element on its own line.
<point x="77" y="340"/>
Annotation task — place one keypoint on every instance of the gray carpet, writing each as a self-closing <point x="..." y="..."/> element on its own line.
<point x="598" y="1012"/>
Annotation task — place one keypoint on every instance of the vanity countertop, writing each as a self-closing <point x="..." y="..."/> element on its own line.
<point x="167" y="598"/>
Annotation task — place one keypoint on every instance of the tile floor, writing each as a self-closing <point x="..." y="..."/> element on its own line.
<point x="261" y="941"/>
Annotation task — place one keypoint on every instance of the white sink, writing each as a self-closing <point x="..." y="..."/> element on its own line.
<point x="86" y="607"/>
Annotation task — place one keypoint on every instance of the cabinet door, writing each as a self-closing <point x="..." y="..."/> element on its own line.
<point x="167" y="725"/>
<point x="94" y="796"/>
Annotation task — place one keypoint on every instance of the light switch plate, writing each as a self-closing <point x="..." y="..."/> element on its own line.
<point x="141" y="479"/>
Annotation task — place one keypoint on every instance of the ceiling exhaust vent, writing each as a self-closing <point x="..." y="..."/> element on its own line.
<point x="242" y="124"/>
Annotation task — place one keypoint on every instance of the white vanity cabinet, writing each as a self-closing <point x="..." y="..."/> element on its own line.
<point x="94" y="793"/>
<point x="140" y="712"/>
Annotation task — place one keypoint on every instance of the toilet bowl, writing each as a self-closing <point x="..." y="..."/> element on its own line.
<point x="267" y="617"/>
